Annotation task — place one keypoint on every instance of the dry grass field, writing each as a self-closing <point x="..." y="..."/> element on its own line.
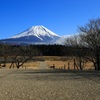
<point x="58" y="61"/>
<point x="32" y="65"/>
<point x="65" y="62"/>
<point x="35" y="82"/>
<point x="68" y="65"/>
<point x="27" y="65"/>
<point x="45" y="84"/>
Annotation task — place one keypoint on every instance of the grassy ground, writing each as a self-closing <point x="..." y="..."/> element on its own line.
<point x="58" y="61"/>
<point x="65" y="65"/>
<point x="27" y="65"/>
<point x="28" y="84"/>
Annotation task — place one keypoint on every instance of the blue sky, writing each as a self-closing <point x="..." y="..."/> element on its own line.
<point x="60" y="16"/>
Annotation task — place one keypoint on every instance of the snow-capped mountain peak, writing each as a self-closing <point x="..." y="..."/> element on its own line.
<point x="34" y="35"/>
<point x="38" y="31"/>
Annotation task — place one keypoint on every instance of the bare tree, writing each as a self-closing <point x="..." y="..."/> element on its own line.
<point x="22" y="54"/>
<point x="4" y="53"/>
<point x="78" y="50"/>
<point x="90" y="36"/>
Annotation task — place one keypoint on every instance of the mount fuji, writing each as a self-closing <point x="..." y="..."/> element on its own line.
<point x="34" y="35"/>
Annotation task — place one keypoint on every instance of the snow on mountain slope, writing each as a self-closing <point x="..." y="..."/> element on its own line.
<point x="37" y="31"/>
<point x="34" y="35"/>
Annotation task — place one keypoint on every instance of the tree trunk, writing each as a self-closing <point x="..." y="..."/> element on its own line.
<point x="98" y="59"/>
<point x="5" y="60"/>
<point x="80" y="64"/>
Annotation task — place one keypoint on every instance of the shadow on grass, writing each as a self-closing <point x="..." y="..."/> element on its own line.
<point x="53" y="75"/>
<point x="44" y="71"/>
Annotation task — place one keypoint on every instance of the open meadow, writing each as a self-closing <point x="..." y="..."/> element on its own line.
<point x="35" y="80"/>
<point x="49" y="84"/>
<point x="59" y="62"/>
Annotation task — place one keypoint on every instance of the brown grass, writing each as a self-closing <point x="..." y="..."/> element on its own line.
<point x="58" y="61"/>
<point x="31" y="65"/>
<point x="68" y="65"/>
<point x="27" y="65"/>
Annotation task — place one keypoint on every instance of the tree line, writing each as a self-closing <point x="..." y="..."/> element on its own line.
<point x="17" y="55"/>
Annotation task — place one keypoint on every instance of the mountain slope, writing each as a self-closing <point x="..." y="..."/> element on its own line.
<point x="33" y="35"/>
